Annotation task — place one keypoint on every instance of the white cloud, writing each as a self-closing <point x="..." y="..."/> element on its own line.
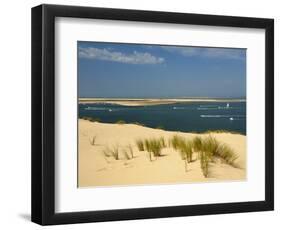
<point x="110" y="55"/>
<point x="227" y="53"/>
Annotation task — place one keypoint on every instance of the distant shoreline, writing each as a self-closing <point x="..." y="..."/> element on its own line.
<point x="152" y="101"/>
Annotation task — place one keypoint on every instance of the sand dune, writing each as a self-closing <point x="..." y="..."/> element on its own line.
<point x="94" y="169"/>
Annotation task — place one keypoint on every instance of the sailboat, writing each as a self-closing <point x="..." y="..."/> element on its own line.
<point x="227" y="105"/>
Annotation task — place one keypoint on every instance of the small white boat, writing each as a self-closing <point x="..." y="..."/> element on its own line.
<point x="231" y="118"/>
<point x="227" y="105"/>
<point x="110" y="110"/>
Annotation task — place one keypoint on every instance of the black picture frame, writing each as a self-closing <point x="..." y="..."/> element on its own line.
<point x="43" y="114"/>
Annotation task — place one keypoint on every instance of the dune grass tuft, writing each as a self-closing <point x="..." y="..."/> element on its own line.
<point x="106" y="152"/>
<point x="220" y="150"/>
<point x="138" y="123"/>
<point x="111" y="152"/>
<point x="115" y="152"/>
<point x="197" y="144"/>
<point x="210" y="145"/>
<point x="221" y="131"/>
<point x="128" y="152"/>
<point x="92" y="119"/>
<point x="120" y="122"/>
<point x="140" y="144"/>
<point x="176" y="141"/>
<point x="186" y="150"/>
<point x="161" y="127"/>
<point x="93" y="140"/>
<point x="207" y="148"/>
<point x="130" y="149"/>
<point x="148" y="148"/>
<point x="227" y="154"/>
<point x="163" y="142"/>
<point x="153" y="146"/>
<point x="205" y="158"/>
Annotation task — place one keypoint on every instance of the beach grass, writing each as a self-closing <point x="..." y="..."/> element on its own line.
<point x="99" y="167"/>
<point x="161" y="127"/>
<point x="176" y="141"/>
<point x="163" y="142"/>
<point x="186" y="150"/>
<point x="154" y="146"/>
<point x="207" y="148"/>
<point x="227" y="154"/>
<point x="111" y="152"/>
<point x="205" y="158"/>
<point x="184" y="147"/>
<point x="92" y="119"/>
<point x="115" y="151"/>
<point x="197" y="144"/>
<point x="106" y="152"/>
<point x="130" y="149"/>
<point x="220" y="150"/>
<point x="93" y="140"/>
<point x="221" y="131"/>
<point x="128" y="152"/>
<point x="138" y="123"/>
<point x="120" y="122"/>
<point x="140" y="144"/>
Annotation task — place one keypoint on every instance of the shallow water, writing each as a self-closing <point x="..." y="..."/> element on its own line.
<point x="185" y="117"/>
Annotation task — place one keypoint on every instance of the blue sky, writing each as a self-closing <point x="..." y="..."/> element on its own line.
<point x="154" y="71"/>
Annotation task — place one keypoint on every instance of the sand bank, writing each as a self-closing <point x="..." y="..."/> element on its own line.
<point x="145" y="102"/>
<point x="94" y="169"/>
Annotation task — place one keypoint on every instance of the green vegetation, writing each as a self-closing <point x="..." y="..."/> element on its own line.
<point x="163" y="142"/>
<point x="176" y="141"/>
<point x="106" y="152"/>
<point x="186" y="152"/>
<point x="93" y="140"/>
<point x="128" y="152"/>
<point x="120" y="122"/>
<point x="92" y="119"/>
<point x="114" y="152"/>
<point x="140" y="144"/>
<point x="160" y="127"/>
<point x="138" y="123"/>
<point x="185" y="148"/>
<point x="154" y="147"/>
<point x="205" y="158"/>
<point x="221" y="131"/>
<point x="130" y="148"/>
<point x="227" y="154"/>
<point x="207" y="148"/>
<point x="197" y="144"/>
<point x="223" y="151"/>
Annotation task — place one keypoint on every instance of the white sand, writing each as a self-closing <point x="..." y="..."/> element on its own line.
<point x="97" y="170"/>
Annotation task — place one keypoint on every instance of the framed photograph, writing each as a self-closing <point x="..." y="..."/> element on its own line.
<point x="142" y="114"/>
